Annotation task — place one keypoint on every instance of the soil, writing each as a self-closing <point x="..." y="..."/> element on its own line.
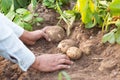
<point x="101" y="63"/>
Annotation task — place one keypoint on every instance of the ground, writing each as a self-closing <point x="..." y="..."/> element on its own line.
<point x="102" y="62"/>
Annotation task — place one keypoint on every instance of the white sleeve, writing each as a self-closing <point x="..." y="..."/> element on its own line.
<point x="17" y="29"/>
<point x="13" y="49"/>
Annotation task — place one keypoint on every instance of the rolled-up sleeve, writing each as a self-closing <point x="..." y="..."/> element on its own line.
<point x="13" y="49"/>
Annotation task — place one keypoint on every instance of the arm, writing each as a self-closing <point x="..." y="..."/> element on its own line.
<point x="13" y="49"/>
<point x="15" y="28"/>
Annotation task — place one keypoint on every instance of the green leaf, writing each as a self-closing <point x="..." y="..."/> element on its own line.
<point x="27" y="17"/>
<point x="92" y="6"/>
<point x="23" y="3"/>
<point x="117" y="23"/>
<point x="5" y="5"/>
<point x="34" y="3"/>
<point x="69" y="18"/>
<point x="67" y="77"/>
<point x="49" y="3"/>
<point x="16" y="4"/>
<point x="89" y="25"/>
<point x="17" y="19"/>
<point x="110" y="37"/>
<point x="20" y="23"/>
<point x="36" y="14"/>
<point x="117" y="36"/>
<point x="11" y="15"/>
<point x="87" y="9"/>
<point x="38" y="19"/>
<point x="21" y="10"/>
<point x="60" y="76"/>
<point x="27" y="26"/>
<point x="115" y="7"/>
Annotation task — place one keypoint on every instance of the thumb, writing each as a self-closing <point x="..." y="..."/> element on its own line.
<point x="46" y="36"/>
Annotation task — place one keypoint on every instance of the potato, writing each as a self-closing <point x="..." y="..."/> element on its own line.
<point x="74" y="53"/>
<point x="65" y="44"/>
<point x="55" y="33"/>
<point x="86" y="47"/>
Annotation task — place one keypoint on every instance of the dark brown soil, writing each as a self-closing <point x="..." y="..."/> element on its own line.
<point x="102" y="62"/>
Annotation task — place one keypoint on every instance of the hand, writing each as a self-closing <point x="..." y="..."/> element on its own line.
<point x="44" y="33"/>
<point x="51" y="62"/>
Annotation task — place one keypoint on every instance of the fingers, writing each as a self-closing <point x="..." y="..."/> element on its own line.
<point x="46" y="36"/>
<point x="64" y="56"/>
<point x="65" y="61"/>
<point x="61" y="67"/>
<point x="44" y="33"/>
<point x="52" y="62"/>
<point x="61" y="56"/>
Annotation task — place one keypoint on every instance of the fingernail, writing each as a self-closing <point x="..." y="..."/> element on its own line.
<point x="68" y="66"/>
<point x="72" y="62"/>
<point x="49" y="39"/>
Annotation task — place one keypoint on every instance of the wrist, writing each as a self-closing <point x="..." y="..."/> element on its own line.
<point x="36" y="64"/>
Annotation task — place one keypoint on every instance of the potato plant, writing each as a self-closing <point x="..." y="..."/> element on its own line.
<point x="96" y="12"/>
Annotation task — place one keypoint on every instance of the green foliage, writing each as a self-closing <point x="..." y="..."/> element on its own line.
<point x="34" y="3"/>
<point x="52" y="3"/>
<point x="5" y="5"/>
<point x="110" y="37"/>
<point x="63" y="73"/>
<point x="49" y="3"/>
<point x="68" y="16"/>
<point x="117" y="23"/>
<point x="115" y="7"/>
<point x="20" y="16"/>
<point x="23" y="18"/>
<point x="23" y="3"/>
<point x="114" y="35"/>
<point x="92" y="11"/>
<point x="101" y="13"/>
<point x="85" y="7"/>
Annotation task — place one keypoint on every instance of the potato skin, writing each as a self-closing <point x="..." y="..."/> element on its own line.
<point x="65" y="44"/>
<point x="86" y="47"/>
<point x="74" y="53"/>
<point x="56" y="33"/>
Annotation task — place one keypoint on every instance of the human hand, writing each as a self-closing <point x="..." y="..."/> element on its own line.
<point x="43" y="33"/>
<point x="51" y="62"/>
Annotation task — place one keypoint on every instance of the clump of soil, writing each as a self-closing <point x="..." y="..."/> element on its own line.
<point x="102" y="63"/>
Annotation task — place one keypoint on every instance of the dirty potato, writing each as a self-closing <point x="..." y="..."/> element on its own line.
<point x="55" y="33"/>
<point x="74" y="53"/>
<point x="65" y="44"/>
<point x="86" y="47"/>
